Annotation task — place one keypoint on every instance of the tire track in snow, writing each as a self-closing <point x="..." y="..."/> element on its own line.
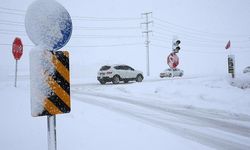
<point x="168" y="123"/>
<point x="183" y="112"/>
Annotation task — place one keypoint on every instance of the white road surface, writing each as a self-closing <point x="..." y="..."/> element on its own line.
<point x="213" y="128"/>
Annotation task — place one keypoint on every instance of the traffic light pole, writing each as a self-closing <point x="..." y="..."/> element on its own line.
<point x="147" y="31"/>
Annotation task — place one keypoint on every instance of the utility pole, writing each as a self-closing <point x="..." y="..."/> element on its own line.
<point x="147" y="31"/>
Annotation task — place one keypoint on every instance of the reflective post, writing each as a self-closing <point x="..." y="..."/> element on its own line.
<point x="51" y="120"/>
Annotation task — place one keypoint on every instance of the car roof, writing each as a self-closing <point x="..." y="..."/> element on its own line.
<point x="114" y="65"/>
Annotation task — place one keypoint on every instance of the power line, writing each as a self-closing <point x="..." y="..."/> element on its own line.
<point x="15" y="22"/>
<point x="200" y="52"/>
<point x="194" y="30"/>
<point x="11" y="9"/>
<point x="108" y="45"/>
<point x="85" y="18"/>
<point x="11" y="34"/>
<point x="3" y="44"/>
<point x="204" y="47"/>
<point x="81" y="36"/>
<point x="194" y="36"/>
<point x="9" y="24"/>
<point x="7" y="30"/>
<point x="22" y="12"/>
<point x="105" y="36"/>
<point x="22" y="33"/>
<point x="89" y="46"/>
<point x="107" y="28"/>
<point x="104" y="18"/>
<point x="12" y="13"/>
<point x="198" y="39"/>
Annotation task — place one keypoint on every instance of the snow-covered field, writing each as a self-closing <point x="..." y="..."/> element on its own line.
<point x="193" y="112"/>
<point x="202" y="110"/>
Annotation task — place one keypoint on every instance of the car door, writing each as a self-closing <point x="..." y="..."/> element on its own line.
<point x="123" y="72"/>
<point x="127" y="73"/>
<point x="118" y="70"/>
<point x="132" y="72"/>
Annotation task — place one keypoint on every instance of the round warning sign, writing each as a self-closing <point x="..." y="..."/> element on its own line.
<point x="173" y="60"/>
<point x="48" y="24"/>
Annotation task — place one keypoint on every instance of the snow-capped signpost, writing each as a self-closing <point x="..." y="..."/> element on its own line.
<point x="17" y="51"/>
<point x="49" y="26"/>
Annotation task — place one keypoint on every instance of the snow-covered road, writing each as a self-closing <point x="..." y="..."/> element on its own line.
<point x="214" y="128"/>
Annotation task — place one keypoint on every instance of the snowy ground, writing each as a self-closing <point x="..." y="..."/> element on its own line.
<point x="193" y="112"/>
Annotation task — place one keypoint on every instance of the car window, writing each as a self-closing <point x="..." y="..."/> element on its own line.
<point x="103" y="68"/>
<point x="117" y="67"/>
<point x="130" y="68"/>
<point x="123" y="67"/>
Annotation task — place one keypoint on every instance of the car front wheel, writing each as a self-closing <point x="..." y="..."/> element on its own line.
<point x="102" y="81"/>
<point x="116" y="79"/>
<point x="139" y="78"/>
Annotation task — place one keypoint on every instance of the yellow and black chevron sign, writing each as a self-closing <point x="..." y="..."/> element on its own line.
<point x="58" y="99"/>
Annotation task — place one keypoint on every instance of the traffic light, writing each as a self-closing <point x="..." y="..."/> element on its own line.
<point x="176" y="46"/>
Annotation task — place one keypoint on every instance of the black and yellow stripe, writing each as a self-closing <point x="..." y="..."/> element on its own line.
<point x="58" y="100"/>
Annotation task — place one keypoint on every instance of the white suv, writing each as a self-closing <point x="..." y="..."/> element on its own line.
<point x="117" y="73"/>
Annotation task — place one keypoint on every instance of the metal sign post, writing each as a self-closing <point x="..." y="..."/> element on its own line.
<point x="51" y="121"/>
<point x="16" y="73"/>
<point x="17" y="51"/>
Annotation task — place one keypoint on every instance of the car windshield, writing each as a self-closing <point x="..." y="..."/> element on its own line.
<point x="103" y="68"/>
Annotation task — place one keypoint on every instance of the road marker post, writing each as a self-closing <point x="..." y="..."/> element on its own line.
<point x="49" y="26"/>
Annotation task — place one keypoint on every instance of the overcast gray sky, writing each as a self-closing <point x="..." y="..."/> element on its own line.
<point x="204" y="27"/>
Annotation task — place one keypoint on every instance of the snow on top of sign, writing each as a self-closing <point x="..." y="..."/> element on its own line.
<point x="44" y="22"/>
<point x="40" y="68"/>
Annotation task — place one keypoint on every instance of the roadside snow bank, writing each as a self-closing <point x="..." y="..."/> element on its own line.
<point x="242" y="81"/>
<point x="212" y="93"/>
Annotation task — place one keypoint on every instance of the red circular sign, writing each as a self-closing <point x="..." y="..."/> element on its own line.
<point x="173" y="60"/>
<point x="17" y="48"/>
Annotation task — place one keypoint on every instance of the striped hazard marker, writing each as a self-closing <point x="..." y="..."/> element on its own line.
<point x="58" y="101"/>
<point x="55" y="89"/>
